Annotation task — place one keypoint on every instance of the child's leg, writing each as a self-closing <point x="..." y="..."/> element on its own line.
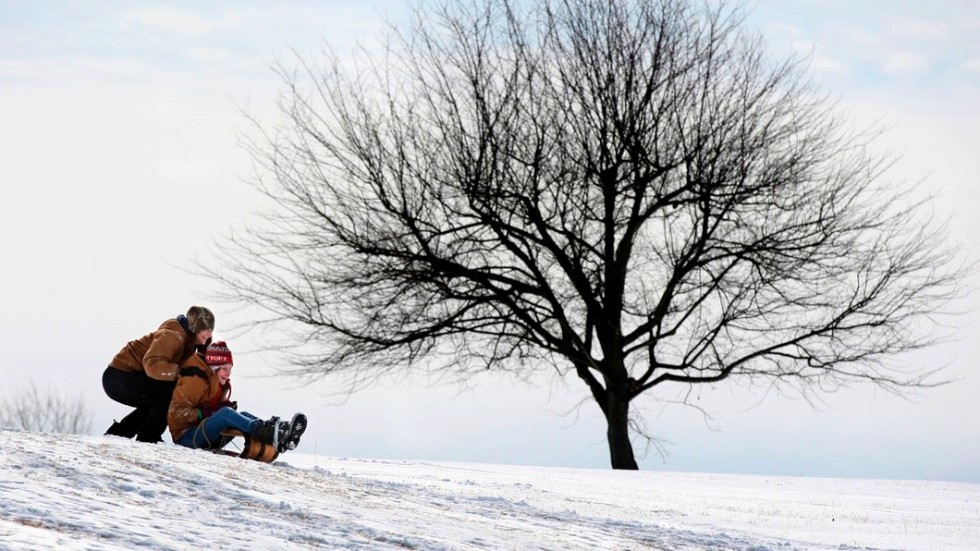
<point x="207" y="434"/>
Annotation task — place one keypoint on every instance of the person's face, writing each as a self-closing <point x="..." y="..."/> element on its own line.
<point x="201" y="337"/>
<point x="223" y="372"/>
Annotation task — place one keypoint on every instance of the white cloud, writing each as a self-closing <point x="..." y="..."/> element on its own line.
<point x="81" y="68"/>
<point x="907" y="29"/>
<point x="972" y="65"/>
<point x="782" y="30"/>
<point x="172" y="20"/>
<point x="864" y="38"/>
<point x="208" y="54"/>
<point x="826" y="64"/>
<point x="905" y="62"/>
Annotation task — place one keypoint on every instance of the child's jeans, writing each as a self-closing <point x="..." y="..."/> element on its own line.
<point x="207" y="434"/>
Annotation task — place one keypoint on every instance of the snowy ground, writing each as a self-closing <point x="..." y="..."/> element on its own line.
<point x="106" y="493"/>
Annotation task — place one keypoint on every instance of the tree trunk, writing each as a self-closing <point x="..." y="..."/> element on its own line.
<point x="618" y="433"/>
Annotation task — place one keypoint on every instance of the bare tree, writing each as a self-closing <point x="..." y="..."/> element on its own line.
<point x="633" y="192"/>
<point x="50" y="411"/>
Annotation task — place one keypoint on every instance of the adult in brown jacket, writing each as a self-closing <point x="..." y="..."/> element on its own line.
<point x="143" y="374"/>
<point x="201" y="408"/>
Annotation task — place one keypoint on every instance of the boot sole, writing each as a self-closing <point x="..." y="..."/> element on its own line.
<point x="297" y="426"/>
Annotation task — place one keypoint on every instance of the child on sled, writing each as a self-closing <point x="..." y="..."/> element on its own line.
<point x="201" y="411"/>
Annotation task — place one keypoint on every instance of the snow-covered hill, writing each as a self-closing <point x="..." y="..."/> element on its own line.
<point x="105" y="493"/>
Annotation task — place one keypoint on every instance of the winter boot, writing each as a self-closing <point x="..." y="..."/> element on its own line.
<point x="130" y="424"/>
<point x="296" y="429"/>
<point x="120" y="429"/>
<point x="271" y="432"/>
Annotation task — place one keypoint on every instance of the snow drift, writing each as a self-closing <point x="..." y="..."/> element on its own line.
<point x="106" y="493"/>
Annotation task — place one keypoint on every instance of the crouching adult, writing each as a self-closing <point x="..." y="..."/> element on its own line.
<point x="202" y="409"/>
<point x="142" y="374"/>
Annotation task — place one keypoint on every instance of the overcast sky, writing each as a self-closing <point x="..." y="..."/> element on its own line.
<point x="120" y="162"/>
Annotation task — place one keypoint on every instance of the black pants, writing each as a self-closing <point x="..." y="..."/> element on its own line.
<point x="150" y="397"/>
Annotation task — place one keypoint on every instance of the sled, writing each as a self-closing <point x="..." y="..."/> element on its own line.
<point x="250" y="449"/>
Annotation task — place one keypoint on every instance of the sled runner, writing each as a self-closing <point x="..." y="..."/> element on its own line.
<point x="251" y="448"/>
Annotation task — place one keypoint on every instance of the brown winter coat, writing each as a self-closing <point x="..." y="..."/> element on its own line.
<point x="158" y="354"/>
<point x="198" y="390"/>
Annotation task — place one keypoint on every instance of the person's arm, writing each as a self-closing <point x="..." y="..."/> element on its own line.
<point x="190" y="396"/>
<point x="165" y="350"/>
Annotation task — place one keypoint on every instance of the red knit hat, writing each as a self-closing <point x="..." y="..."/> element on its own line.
<point x="218" y="355"/>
